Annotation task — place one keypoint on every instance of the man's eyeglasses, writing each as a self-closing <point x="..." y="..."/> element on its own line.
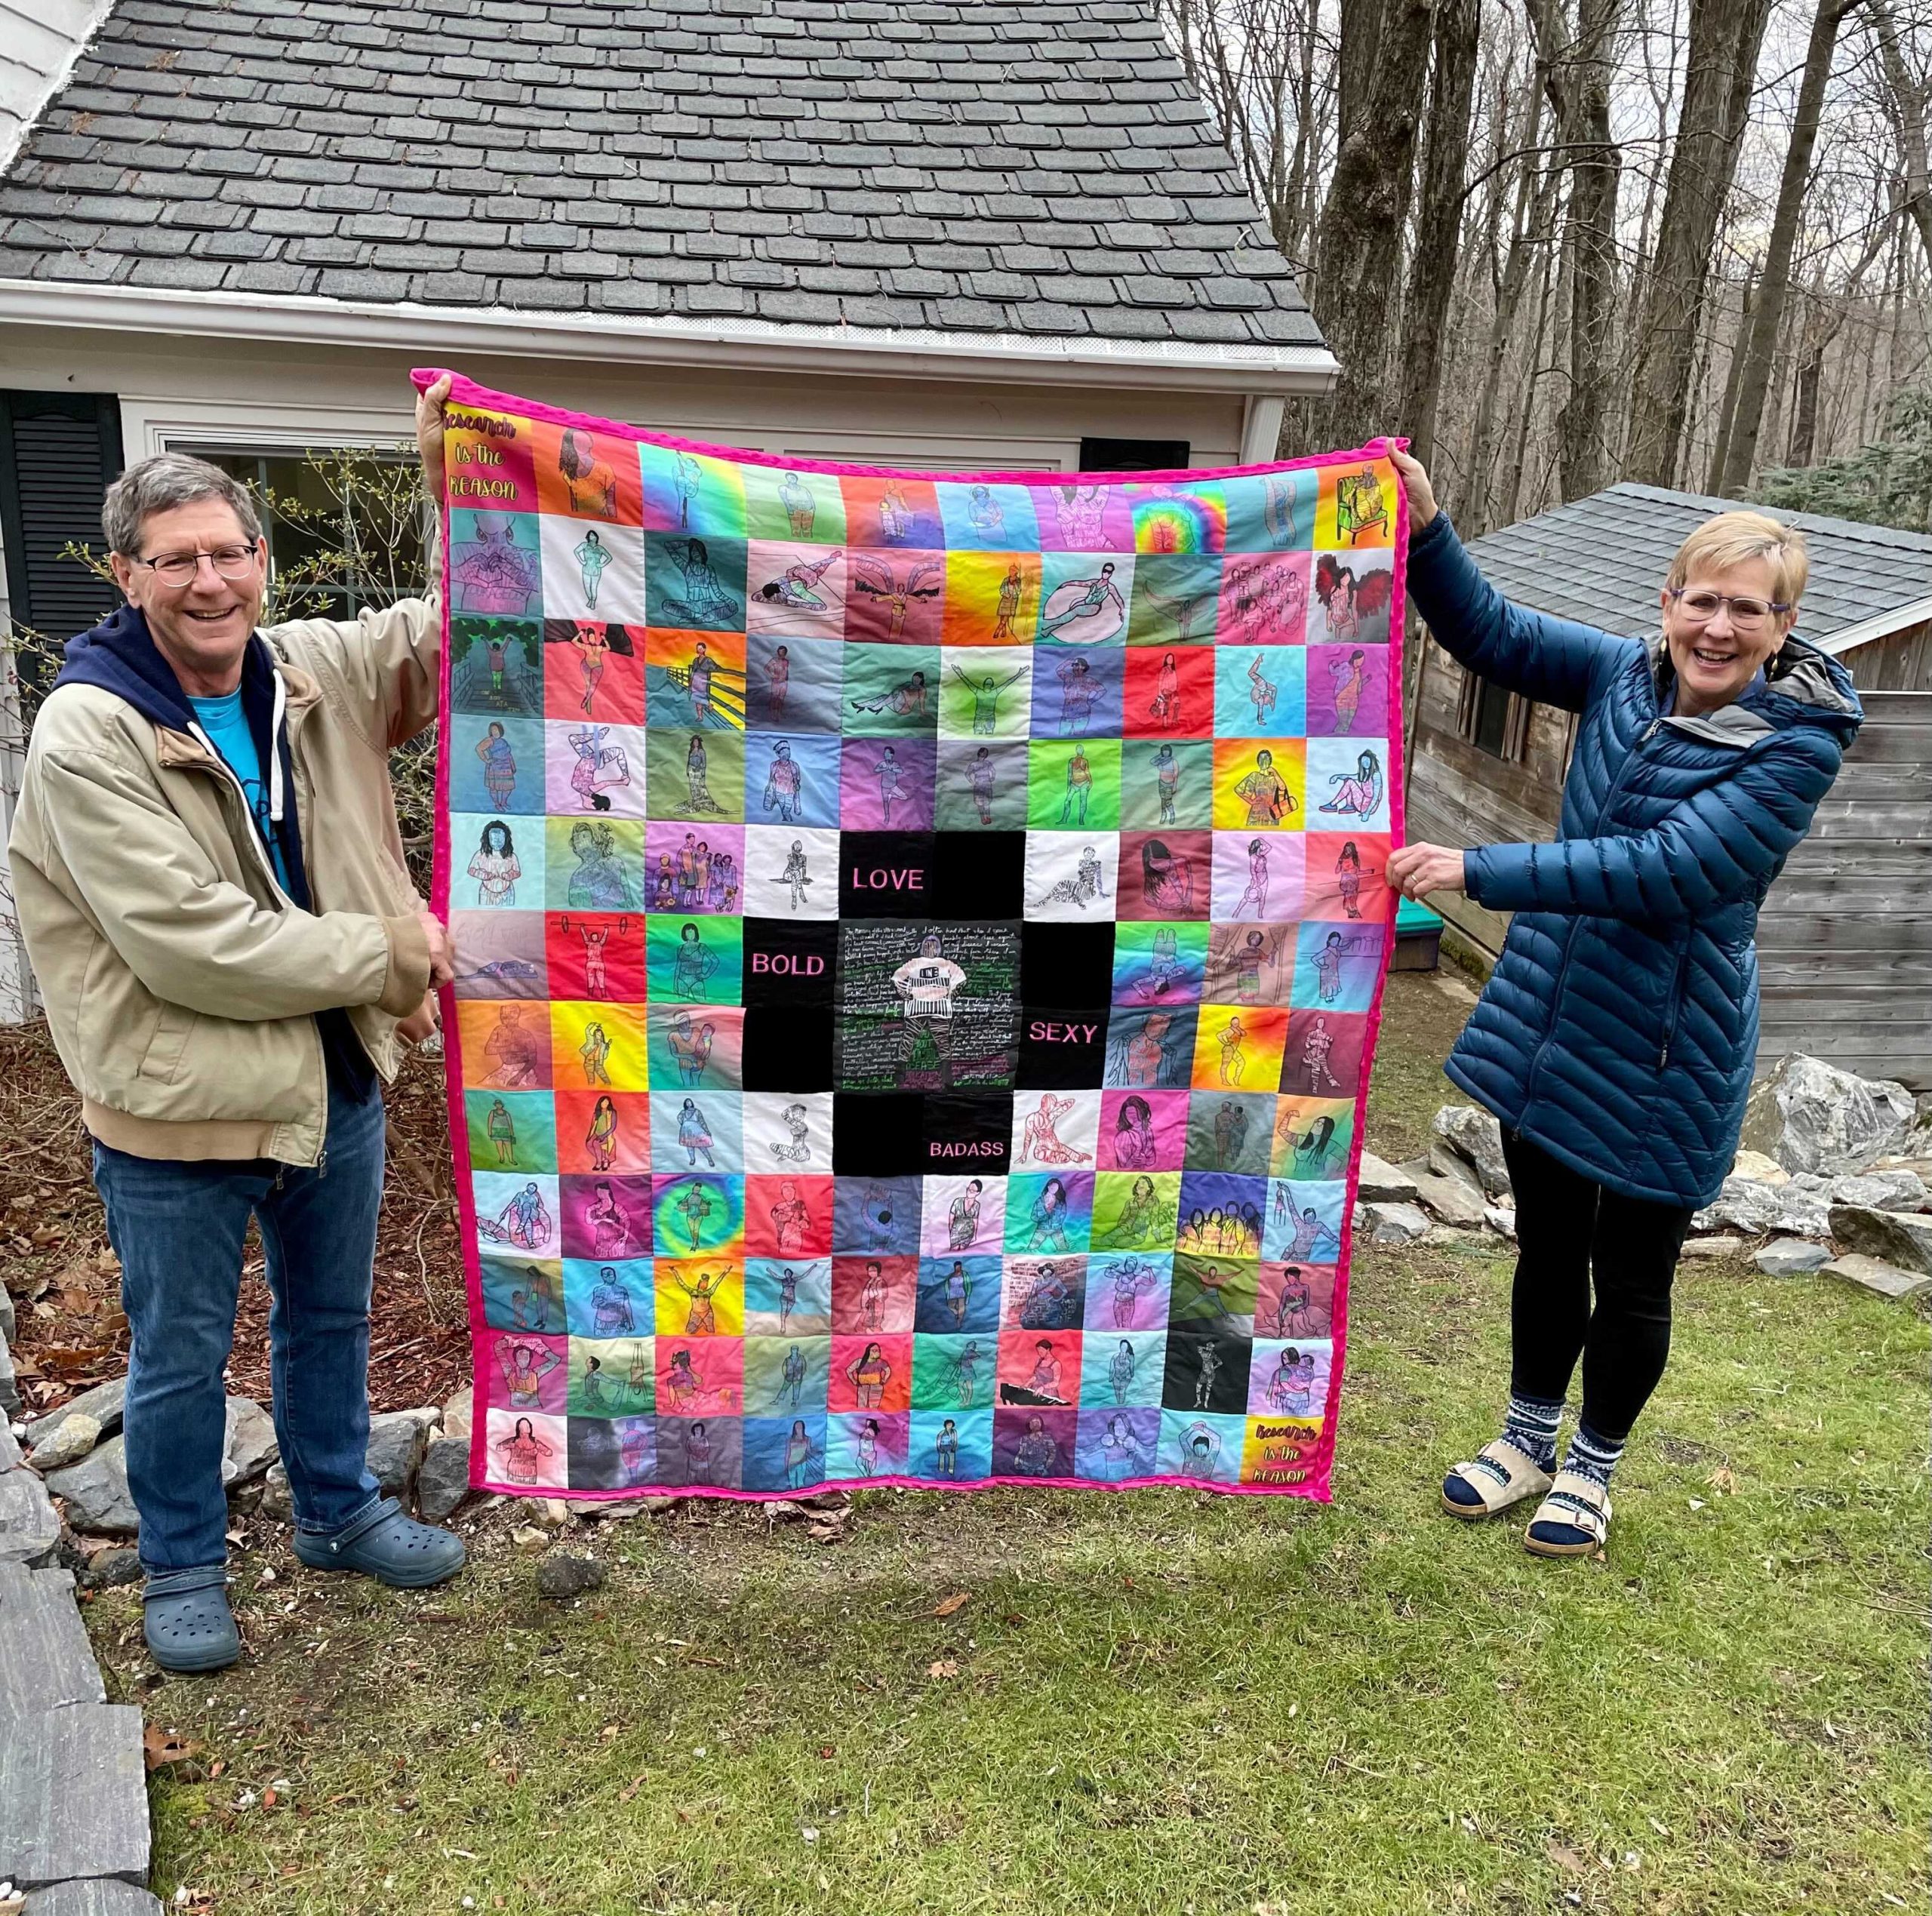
<point x="1746" y="614"/>
<point x="179" y="569"/>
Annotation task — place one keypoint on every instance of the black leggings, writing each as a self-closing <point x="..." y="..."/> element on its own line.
<point x="1568" y="1230"/>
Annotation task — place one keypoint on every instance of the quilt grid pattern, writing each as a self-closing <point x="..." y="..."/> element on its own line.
<point x="919" y="944"/>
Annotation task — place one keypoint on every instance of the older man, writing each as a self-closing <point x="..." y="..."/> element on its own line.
<point x="209" y="880"/>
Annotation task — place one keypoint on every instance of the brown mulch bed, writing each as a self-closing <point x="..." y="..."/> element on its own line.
<point x="64" y="1282"/>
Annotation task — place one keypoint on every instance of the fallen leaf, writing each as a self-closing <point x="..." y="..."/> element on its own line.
<point x="268" y="1799"/>
<point x="161" y="1747"/>
<point x="945" y="1667"/>
<point x="947" y="1605"/>
<point x="1723" y="1480"/>
<point x="632" y="1788"/>
<point x="1564" y="1857"/>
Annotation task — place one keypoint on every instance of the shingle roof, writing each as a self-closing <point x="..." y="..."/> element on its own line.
<point x="1602" y="559"/>
<point x="1040" y="166"/>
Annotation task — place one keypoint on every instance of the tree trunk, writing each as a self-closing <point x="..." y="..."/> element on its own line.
<point x="1721" y="64"/>
<point x="1805" y="406"/>
<point x="1358" y="252"/>
<point x="1534" y="192"/>
<point x="1583" y="71"/>
<point x="1512" y="478"/>
<point x="1733" y="378"/>
<point x="1759" y="341"/>
<point x="1908" y="102"/>
<point x="1438" y="222"/>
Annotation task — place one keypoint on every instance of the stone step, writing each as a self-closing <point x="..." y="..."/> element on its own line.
<point x="30" y="1527"/>
<point x="102" y="1896"/>
<point x="73" y="1797"/>
<point x="45" y="1661"/>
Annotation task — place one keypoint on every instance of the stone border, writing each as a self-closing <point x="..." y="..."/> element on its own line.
<point x="74" y="1832"/>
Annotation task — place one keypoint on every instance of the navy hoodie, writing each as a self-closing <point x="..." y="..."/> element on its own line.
<point x="119" y="655"/>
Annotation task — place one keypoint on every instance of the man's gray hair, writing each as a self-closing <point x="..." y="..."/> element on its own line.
<point x="159" y="485"/>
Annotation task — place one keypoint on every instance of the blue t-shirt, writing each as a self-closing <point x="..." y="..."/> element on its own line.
<point x="226" y="725"/>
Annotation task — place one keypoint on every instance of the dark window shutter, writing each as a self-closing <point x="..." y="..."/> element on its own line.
<point x="1133" y="455"/>
<point x="58" y="451"/>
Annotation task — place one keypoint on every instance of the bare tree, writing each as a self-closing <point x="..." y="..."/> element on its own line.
<point x="1580" y="70"/>
<point x="1720" y="66"/>
<point x="1438" y="221"/>
<point x="1737" y="451"/>
<point x="1909" y="107"/>
<point x="1384" y="51"/>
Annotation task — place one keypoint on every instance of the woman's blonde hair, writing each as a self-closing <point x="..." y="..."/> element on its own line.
<point x="1735" y="538"/>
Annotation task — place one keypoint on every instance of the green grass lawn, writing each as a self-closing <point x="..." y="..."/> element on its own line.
<point x="1148" y="1701"/>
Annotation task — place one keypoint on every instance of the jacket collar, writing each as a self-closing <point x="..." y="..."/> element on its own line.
<point x="1800" y="686"/>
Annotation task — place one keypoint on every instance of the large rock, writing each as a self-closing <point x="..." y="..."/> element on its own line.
<point x="249" y="1446"/>
<point x="458" y="1412"/>
<point x="1812" y="1117"/>
<point x="1806" y="1211"/>
<point x="105" y="1403"/>
<point x="443" y="1481"/>
<point x="1790" y="1257"/>
<point x="1900" y="1238"/>
<point x="9" y="1326"/>
<point x="69" y="1445"/>
<point x="10" y="1388"/>
<point x="1502" y="1220"/>
<point x="1442" y="1159"/>
<point x="1396" y="1224"/>
<point x="1379" y="1182"/>
<point x="1743" y="1204"/>
<point x="1451" y="1200"/>
<point x="96" y="1493"/>
<point x="1875" y="1275"/>
<point x="397" y="1440"/>
<point x="394" y="1457"/>
<point x="1754" y="1165"/>
<point x="1475" y="1137"/>
<point x="1881" y="1191"/>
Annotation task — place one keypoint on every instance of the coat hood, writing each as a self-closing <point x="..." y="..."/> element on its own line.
<point x="119" y="656"/>
<point x="1799" y="685"/>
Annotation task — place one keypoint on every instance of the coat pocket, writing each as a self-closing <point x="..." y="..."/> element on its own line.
<point x="160" y="1063"/>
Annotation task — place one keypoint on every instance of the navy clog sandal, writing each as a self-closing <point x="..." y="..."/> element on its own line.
<point x="187" y="1622"/>
<point x="384" y="1543"/>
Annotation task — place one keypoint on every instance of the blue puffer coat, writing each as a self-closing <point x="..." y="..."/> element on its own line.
<point x="1620" y="1028"/>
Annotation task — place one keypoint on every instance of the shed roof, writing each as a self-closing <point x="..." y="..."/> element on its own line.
<point x="1602" y="559"/>
<point x="1036" y="168"/>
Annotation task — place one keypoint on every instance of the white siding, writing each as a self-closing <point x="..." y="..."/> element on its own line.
<point x="39" y="41"/>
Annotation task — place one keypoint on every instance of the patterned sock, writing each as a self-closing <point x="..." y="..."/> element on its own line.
<point x="1592" y="1456"/>
<point x="1530" y="1425"/>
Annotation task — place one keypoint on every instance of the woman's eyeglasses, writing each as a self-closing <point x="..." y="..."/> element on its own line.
<point x="1746" y="614"/>
<point x="178" y="569"/>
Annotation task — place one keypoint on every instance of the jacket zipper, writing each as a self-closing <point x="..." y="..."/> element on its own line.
<point x="1570" y="935"/>
<point x="221" y="771"/>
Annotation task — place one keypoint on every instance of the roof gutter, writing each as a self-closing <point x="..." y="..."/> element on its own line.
<point x="442" y="332"/>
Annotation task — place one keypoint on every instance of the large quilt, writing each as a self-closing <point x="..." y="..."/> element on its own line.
<point x="920" y="939"/>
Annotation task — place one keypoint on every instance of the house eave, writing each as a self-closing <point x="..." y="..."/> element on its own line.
<point x="442" y="332"/>
<point x="1881" y="625"/>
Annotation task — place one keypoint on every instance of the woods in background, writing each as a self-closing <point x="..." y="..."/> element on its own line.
<point x="1558" y="243"/>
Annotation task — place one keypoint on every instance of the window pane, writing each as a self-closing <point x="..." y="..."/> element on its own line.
<point x="1492" y="719"/>
<point x="345" y="528"/>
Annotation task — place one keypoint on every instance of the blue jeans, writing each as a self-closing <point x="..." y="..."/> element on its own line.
<point x="177" y="1228"/>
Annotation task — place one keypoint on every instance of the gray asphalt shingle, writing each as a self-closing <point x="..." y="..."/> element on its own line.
<point x="946" y="165"/>
<point x="1602" y="560"/>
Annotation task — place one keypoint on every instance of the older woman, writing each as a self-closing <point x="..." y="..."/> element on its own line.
<point x="1615" y="1039"/>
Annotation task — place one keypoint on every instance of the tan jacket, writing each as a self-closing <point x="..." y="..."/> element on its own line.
<point x="179" y="978"/>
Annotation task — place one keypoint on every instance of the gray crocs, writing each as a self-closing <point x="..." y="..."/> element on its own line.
<point x="186" y="1620"/>
<point x="384" y="1543"/>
